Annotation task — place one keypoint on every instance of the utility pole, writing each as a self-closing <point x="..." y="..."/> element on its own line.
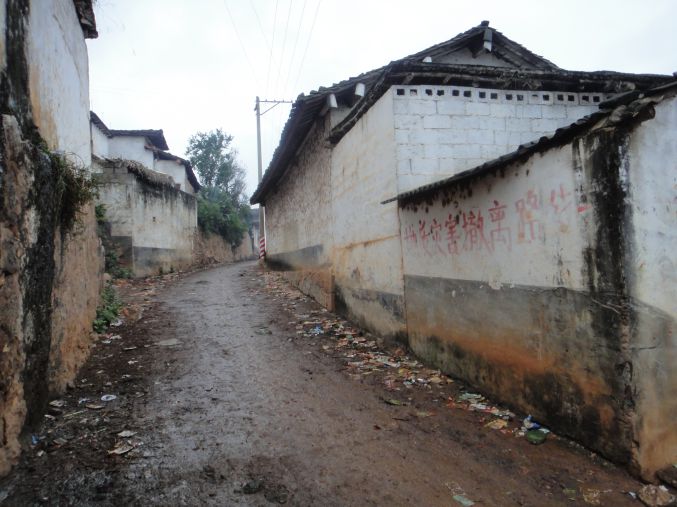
<point x="262" y="216"/>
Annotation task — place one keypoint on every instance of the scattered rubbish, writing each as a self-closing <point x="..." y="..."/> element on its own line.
<point x="669" y="475"/>
<point x="132" y="362"/>
<point x="570" y="493"/>
<point x="535" y="437"/>
<point x="591" y="496"/>
<point x="633" y="495"/>
<point x="497" y="424"/>
<point x="168" y="343"/>
<point x="116" y="323"/>
<point x="129" y="348"/>
<point x="470" y="397"/>
<point x="121" y="449"/>
<point x="57" y="403"/>
<point x="393" y="401"/>
<point x="252" y="487"/>
<point x="82" y="400"/>
<point x="35" y="440"/>
<point x="655" y="496"/>
<point x="108" y="397"/>
<point x="424" y="414"/>
<point x="93" y="406"/>
<point x="316" y="331"/>
<point x="530" y="424"/>
<point x="115" y="337"/>
<point x="59" y="441"/>
<point x="463" y="500"/>
<point x="126" y="434"/>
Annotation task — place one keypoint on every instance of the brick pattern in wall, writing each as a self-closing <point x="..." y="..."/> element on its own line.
<point x="443" y="130"/>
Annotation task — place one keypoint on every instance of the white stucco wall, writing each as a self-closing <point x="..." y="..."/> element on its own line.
<point x="177" y="171"/>
<point x="99" y="142"/>
<point x="366" y="241"/>
<point x="653" y="188"/>
<point x="299" y="211"/>
<point x="523" y="227"/>
<point x="131" y="148"/>
<point x="443" y="130"/>
<point x="59" y="78"/>
<point x="163" y="219"/>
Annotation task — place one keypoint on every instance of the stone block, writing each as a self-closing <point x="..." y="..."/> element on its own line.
<point x="531" y="111"/>
<point x="477" y="109"/>
<point x="481" y="137"/>
<point x="422" y="107"/>
<point x="503" y="111"/>
<point x="554" y="111"/>
<point x="408" y="121"/>
<point x="451" y="106"/>
<point x="452" y="136"/>
<point x="437" y="122"/>
<point x="425" y="166"/>
<point x="409" y="151"/>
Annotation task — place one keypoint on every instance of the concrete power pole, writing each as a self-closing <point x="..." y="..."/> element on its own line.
<point x="262" y="215"/>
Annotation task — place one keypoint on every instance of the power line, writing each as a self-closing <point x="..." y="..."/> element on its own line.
<point x="293" y="53"/>
<point x="284" y="43"/>
<point x="244" y="51"/>
<point x="258" y="20"/>
<point x="272" y="45"/>
<point x="310" y="36"/>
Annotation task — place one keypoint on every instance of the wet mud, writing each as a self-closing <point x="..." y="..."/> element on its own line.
<point x="233" y="401"/>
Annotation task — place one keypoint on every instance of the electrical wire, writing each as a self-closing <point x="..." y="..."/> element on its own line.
<point x="258" y="20"/>
<point x="242" y="46"/>
<point x="272" y="45"/>
<point x="293" y="53"/>
<point x="310" y="36"/>
<point x="284" y="43"/>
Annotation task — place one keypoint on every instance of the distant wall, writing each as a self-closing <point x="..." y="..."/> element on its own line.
<point x="542" y="283"/>
<point x="213" y="249"/>
<point x="151" y="223"/>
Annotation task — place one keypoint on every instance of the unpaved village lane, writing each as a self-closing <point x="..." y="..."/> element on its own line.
<point x="239" y="400"/>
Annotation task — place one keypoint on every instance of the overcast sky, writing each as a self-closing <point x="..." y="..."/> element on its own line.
<point x="194" y="65"/>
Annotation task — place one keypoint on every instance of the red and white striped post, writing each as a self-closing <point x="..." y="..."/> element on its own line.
<point x="262" y="247"/>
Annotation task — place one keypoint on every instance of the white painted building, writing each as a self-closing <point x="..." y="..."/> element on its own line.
<point x="440" y="113"/>
<point x="150" y="198"/>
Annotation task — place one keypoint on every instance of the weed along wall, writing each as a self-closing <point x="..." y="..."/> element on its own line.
<point x="152" y="223"/>
<point x="546" y="280"/>
<point x="51" y="263"/>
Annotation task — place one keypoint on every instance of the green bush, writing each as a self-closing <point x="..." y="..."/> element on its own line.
<point x="108" y="310"/>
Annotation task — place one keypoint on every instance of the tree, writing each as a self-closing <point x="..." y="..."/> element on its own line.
<point x="222" y="205"/>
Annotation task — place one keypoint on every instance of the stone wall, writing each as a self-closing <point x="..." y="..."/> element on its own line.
<point x="151" y="223"/>
<point x="50" y="276"/>
<point x="213" y="249"/>
<point x="548" y="284"/>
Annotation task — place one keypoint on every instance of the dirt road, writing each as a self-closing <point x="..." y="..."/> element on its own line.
<point x="234" y="400"/>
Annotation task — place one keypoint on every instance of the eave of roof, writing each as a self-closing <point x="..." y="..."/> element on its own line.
<point x="531" y="72"/>
<point x="306" y="108"/>
<point x="635" y="108"/>
<point x="85" y="12"/>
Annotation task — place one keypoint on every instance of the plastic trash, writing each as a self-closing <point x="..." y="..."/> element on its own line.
<point x="108" y="397"/>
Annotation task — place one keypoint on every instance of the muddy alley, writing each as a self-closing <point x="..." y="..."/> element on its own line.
<point x="228" y="387"/>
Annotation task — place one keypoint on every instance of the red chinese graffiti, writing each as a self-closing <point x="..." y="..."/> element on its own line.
<point x="497" y="227"/>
